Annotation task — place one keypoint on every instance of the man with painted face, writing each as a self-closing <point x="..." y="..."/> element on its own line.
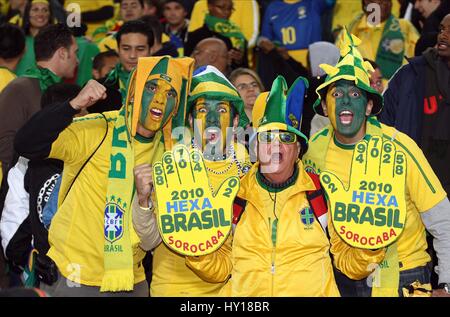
<point x="99" y="234"/>
<point x="351" y="104"/>
<point x="215" y="110"/>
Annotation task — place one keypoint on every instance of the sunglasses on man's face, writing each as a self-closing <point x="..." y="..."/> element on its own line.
<point x="283" y="137"/>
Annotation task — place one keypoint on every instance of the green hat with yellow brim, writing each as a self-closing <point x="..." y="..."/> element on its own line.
<point x="283" y="108"/>
<point x="209" y="83"/>
<point x="351" y="67"/>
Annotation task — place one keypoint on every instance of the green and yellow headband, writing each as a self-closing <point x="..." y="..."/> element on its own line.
<point x="351" y="67"/>
<point x="208" y="82"/>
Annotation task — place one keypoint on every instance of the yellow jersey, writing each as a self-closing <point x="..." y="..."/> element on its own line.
<point x="76" y="234"/>
<point x="6" y="76"/>
<point x="370" y="37"/>
<point x="423" y="191"/>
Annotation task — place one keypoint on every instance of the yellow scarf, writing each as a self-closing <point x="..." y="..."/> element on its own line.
<point x="118" y="255"/>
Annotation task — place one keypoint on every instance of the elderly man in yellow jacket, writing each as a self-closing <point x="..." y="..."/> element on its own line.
<point x="279" y="246"/>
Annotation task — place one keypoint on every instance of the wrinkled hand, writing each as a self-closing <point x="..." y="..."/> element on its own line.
<point x="92" y="92"/>
<point x="143" y="180"/>
<point x="182" y="189"/>
<point x="371" y="212"/>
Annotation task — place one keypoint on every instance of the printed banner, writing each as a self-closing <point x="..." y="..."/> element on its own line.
<point x="192" y="221"/>
<point x="371" y="212"/>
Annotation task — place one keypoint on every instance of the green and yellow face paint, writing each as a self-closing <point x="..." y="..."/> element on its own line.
<point x="212" y="117"/>
<point x="346" y="107"/>
<point x="159" y="100"/>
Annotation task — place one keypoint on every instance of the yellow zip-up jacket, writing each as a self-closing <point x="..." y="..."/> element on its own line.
<point x="285" y="257"/>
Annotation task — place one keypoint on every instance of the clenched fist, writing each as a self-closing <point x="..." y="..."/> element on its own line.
<point x="92" y="92"/>
<point x="144" y="183"/>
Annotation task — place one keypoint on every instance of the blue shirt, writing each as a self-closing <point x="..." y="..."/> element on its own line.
<point x="294" y="25"/>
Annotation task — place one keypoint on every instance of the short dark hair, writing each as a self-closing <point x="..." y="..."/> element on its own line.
<point x="156" y="26"/>
<point x="156" y="4"/>
<point x="136" y="26"/>
<point x="50" y="39"/>
<point x="12" y="41"/>
<point x="180" y="2"/>
<point x="140" y="1"/>
<point x="58" y="93"/>
<point x="99" y="59"/>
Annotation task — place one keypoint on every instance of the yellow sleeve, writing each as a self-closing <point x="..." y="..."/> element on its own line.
<point x="246" y="16"/>
<point x="77" y="142"/>
<point x="411" y="37"/>
<point x="5" y="78"/>
<point x="424" y="188"/>
<point x="215" y="267"/>
<point x="198" y="15"/>
<point x="353" y="262"/>
<point x="108" y="43"/>
<point x="91" y="5"/>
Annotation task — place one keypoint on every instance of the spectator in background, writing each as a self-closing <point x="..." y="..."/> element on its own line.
<point x="345" y="10"/>
<point x="376" y="78"/>
<point x="217" y="24"/>
<point x="246" y="15"/>
<point x="16" y="12"/>
<point x="151" y="7"/>
<point x="94" y="13"/>
<point x="134" y="39"/>
<point x="293" y="25"/>
<point x="104" y="63"/>
<point x="417" y="103"/>
<point x="12" y="48"/>
<point x="211" y="51"/>
<point x="274" y="61"/>
<point x="249" y="86"/>
<point x="55" y="49"/>
<point x="37" y="15"/>
<point x="385" y="39"/>
<point x="433" y="11"/>
<point x="129" y="10"/>
<point x="176" y="24"/>
<point x="160" y="47"/>
<point x="32" y="201"/>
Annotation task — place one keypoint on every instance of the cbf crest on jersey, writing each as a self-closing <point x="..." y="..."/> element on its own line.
<point x="307" y="217"/>
<point x="113" y="221"/>
<point x="301" y="12"/>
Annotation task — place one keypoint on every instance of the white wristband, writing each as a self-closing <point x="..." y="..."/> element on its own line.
<point x="150" y="207"/>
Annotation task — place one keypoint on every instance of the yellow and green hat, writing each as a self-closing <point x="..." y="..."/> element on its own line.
<point x="208" y="82"/>
<point x="283" y="108"/>
<point x="352" y="67"/>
